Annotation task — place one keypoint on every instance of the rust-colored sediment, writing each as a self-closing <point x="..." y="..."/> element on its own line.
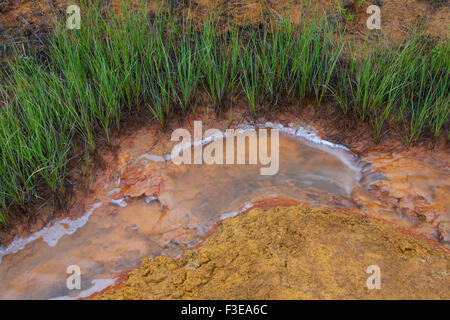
<point x="264" y="204"/>
<point x="121" y="278"/>
<point x="261" y="204"/>
<point x="411" y="197"/>
<point x="294" y="253"/>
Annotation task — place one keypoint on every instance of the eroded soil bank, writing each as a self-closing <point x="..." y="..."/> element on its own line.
<point x="294" y="253"/>
<point x="398" y="16"/>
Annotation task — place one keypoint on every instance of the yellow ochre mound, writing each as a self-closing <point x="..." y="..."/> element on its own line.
<point x="294" y="253"/>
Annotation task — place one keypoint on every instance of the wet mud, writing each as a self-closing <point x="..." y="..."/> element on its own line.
<point x="148" y="206"/>
<point x="143" y="205"/>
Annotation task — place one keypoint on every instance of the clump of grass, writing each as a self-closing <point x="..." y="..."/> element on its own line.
<point x="314" y="60"/>
<point x="187" y="66"/>
<point x="36" y="135"/>
<point x="116" y="64"/>
<point x="250" y="81"/>
<point x="406" y="83"/>
<point x="275" y="60"/>
<point x="219" y="62"/>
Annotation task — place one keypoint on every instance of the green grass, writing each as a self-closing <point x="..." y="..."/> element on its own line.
<point x="409" y="84"/>
<point x="79" y="89"/>
<point x="218" y="58"/>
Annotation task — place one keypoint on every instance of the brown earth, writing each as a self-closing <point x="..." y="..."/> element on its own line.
<point x="398" y="16"/>
<point x="294" y="253"/>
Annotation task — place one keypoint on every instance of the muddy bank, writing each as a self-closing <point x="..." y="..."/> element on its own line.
<point x="139" y="204"/>
<point x="394" y="194"/>
<point x="294" y="253"/>
<point x="151" y="207"/>
<point x="413" y="183"/>
<point x="407" y="186"/>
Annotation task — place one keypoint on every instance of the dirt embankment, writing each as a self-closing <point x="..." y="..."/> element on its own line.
<point x="294" y="253"/>
<point x="398" y="17"/>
